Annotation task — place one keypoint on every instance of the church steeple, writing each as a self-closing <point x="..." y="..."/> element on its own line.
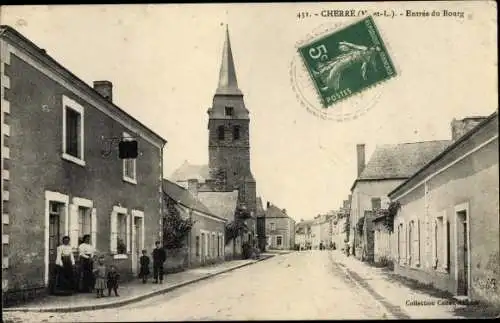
<point x="228" y="84"/>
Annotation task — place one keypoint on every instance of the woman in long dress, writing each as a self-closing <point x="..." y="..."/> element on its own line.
<point x="86" y="253"/>
<point x="65" y="262"/>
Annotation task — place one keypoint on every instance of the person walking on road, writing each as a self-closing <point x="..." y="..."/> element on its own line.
<point x="159" y="257"/>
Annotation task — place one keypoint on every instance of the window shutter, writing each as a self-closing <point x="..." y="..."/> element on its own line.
<point x="445" y="241"/>
<point x="434" y="243"/>
<point x="417" y="243"/>
<point x="127" y="231"/>
<point x="73" y="225"/>
<point x="143" y="233"/>
<point x="114" y="232"/>
<point x="403" y="248"/>
<point x="93" y="227"/>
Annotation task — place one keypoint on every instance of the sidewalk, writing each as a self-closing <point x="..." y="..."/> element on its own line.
<point x="401" y="300"/>
<point x="133" y="291"/>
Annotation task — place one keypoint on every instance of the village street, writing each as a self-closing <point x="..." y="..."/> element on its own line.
<point x="300" y="285"/>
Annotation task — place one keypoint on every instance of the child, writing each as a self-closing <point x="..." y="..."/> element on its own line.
<point x="144" y="267"/>
<point x="100" y="277"/>
<point x="112" y="282"/>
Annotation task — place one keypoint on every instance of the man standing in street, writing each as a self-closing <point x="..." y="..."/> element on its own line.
<point x="159" y="257"/>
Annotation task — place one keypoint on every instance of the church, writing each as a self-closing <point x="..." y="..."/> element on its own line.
<point x="228" y="166"/>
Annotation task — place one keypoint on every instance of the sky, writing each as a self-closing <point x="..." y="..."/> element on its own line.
<point x="164" y="63"/>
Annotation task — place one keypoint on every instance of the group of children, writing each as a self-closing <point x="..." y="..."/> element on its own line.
<point x="108" y="278"/>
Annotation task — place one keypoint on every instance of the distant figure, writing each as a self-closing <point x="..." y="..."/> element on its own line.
<point x="321" y="246"/>
<point x="112" y="280"/>
<point x="144" y="272"/>
<point x="100" y="277"/>
<point x="159" y="257"/>
<point x="65" y="261"/>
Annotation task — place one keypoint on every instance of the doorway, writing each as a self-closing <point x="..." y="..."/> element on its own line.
<point x="136" y="243"/>
<point x="55" y="236"/>
<point x="462" y="253"/>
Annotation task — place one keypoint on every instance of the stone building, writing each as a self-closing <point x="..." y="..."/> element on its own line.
<point x="61" y="173"/>
<point x="447" y="227"/>
<point x="303" y="234"/>
<point x="261" y="225"/>
<point x="206" y="241"/>
<point x="228" y="166"/>
<point x="388" y="167"/>
<point x="280" y="228"/>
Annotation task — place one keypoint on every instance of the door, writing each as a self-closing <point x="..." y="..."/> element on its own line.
<point x="54" y="240"/>
<point x="136" y="247"/>
<point x="462" y="255"/>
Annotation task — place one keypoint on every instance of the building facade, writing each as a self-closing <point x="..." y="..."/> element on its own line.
<point x="206" y="241"/>
<point x="60" y="153"/>
<point x="447" y="228"/>
<point x="303" y="232"/>
<point x="261" y="225"/>
<point x="388" y="167"/>
<point x="280" y="228"/>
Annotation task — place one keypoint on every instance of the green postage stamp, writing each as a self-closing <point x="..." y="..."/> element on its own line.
<point x="347" y="61"/>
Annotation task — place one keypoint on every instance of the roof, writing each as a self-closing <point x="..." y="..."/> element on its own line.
<point x="400" y="161"/>
<point x="228" y="84"/>
<point x="275" y="212"/>
<point x="448" y="150"/>
<point x="22" y="42"/>
<point x="189" y="171"/>
<point x="221" y="203"/>
<point x="183" y="196"/>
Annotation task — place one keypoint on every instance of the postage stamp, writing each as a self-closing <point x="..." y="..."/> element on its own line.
<point x="347" y="61"/>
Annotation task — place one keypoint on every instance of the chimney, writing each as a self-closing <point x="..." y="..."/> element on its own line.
<point x="284" y="211"/>
<point x="193" y="187"/>
<point x="462" y="126"/>
<point x="361" y="158"/>
<point x="346" y="204"/>
<point x="268" y="204"/>
<point x="105" y="88"/>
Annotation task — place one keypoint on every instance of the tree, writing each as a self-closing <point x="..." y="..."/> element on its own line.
<point x="238" y="226"/>
<point x="175" y="228"/>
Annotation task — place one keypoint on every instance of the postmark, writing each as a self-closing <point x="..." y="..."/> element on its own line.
<point x="353" y="61"/>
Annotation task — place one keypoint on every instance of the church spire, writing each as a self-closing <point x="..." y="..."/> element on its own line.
<point x="228" y="85"/>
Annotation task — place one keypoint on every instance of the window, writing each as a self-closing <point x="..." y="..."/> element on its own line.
<point x="410" y="242"/>
<point x="121" y="242"/>
<point x="218" y="246"/>
<point x="279" y="241"/>
<point x="229" y="111"/>
<point x="73" y="131"/>
<point x="197" y="246"/>
<point x="273" y="226"/>
<point x="376" y="203"/>
<point x="129" y="165"/>
<point x="236" y="133"/>
<point x="84" y="221"/>
<point x="220" y="132"/>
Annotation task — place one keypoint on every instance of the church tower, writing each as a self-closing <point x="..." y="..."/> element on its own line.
<point x="229" y="135"/>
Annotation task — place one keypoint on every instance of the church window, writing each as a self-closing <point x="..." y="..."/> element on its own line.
<point x="236" y="133"/>
<point x="220" y="132"/>
<point x="229" y="111"/>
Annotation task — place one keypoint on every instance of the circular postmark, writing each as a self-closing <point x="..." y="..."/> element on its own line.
<point x="309" y="98"/>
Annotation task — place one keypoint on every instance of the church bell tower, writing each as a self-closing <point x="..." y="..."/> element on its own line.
<point x="229" y="135"/>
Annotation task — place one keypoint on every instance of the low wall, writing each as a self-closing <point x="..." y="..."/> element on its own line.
<point x="177" y="260"/>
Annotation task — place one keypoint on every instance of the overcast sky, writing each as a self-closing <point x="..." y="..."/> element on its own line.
<point x="164" y="62"/>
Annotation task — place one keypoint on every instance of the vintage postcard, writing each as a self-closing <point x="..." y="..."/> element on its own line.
<point x="250" y="161"/>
